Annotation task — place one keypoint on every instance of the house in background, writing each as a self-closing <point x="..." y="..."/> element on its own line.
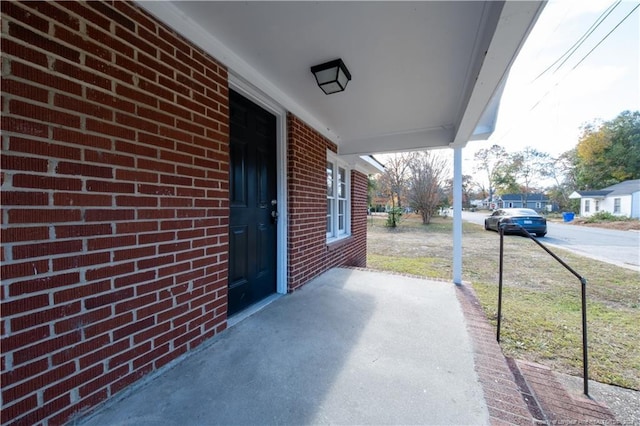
<point x="621" y="199"/>
<point x="479" y="203"/>
<point x="538" y="202"/>
<point x="169" y="165"/>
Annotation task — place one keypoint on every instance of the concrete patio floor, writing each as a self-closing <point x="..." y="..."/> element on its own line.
<point x="355" y="347"/>
<point x="350" y="347"/>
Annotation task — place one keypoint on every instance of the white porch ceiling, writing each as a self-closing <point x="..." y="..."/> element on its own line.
<point x="425" y="74"/>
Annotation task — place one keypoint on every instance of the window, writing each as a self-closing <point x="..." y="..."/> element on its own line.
<point x="616" y="206"/>
<point x="597" y="206"/>
<point x="587" y="206"/>
<point x="338" y="203"/>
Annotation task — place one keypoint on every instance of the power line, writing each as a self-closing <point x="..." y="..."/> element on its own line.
<point x="574" y="67"/>
<point x="581" y="40"/>
<point x="590" y="32"/>
<point x="605" y="37"/>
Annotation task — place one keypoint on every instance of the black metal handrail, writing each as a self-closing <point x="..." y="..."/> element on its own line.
<point x="583" y="282"/>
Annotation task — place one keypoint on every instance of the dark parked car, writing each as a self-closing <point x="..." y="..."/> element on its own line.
<point x="528" y="219"/>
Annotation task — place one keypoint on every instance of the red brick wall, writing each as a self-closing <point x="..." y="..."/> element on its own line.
<point x="114" y="203"/>
<point x="359" y="205"/>
<point x="309" y="254"/>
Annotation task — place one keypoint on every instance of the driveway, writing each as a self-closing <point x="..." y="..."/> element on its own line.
<point x="351" y="347"/>
<point x="621" y="248"/>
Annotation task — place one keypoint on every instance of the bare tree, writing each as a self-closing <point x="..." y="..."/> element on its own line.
<point x="561" y="169"/>
<point x="524" y="168"/>
<point x="427" y="174"/>
<point x="470" y="188"/>
<point x="393" y="182"/>
<point x="489" y="161"/>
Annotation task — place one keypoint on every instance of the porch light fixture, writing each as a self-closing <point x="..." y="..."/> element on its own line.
<point x="332" y="77"/>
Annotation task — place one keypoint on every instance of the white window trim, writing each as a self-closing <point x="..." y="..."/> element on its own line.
<point x="617" y="205"/>
<point x="336" y="236"/>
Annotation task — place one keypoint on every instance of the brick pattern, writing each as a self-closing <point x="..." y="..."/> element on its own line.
<point x="508" y="402"/>
<point x="114" y="203"/>
<point x="559" y="406"/>
<point x="357" y="254"/>
<point x="520" y="392"/>
<point x="309" y="254"/>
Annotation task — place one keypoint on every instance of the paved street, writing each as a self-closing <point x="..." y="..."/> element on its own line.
<point x="620" y="248"/>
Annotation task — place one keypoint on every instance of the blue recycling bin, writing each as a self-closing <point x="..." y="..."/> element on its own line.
<point x="568" y="216"/>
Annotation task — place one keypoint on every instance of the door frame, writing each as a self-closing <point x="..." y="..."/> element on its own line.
<point x="250" y="92"/>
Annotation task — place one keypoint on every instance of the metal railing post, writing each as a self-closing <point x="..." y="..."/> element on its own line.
<point x="585" y="361"/>
<point x="583" y="282"/>
<point x="501" y="231"/>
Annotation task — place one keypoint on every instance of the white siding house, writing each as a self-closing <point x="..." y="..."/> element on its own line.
<point x="536" y="202"/>
<point x="621" y="199"/>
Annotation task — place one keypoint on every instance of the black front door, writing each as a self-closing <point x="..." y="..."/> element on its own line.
<point x="253" y="203"/>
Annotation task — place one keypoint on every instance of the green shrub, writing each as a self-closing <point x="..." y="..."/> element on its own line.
<point x="393" y="217"/>
<point x="605" y="217"/>
<point x="552" y="215"/>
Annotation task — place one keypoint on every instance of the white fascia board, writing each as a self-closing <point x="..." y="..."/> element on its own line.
<point x="516" y="21"/>
<point x="437" y="137"/>
<point x="574" y="195"/>
<point x="365" y="164"/>
<point x="373" y="162"/>
<point x="487" y="124"/>
<point x="168" y="13"/>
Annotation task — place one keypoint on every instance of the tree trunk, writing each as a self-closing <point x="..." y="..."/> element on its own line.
<point x="426" y="217"/>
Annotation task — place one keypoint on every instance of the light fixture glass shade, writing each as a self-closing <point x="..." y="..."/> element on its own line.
<point x="331" y="76"/>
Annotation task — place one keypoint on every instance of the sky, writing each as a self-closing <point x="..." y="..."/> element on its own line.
<point x="546" y="110"/>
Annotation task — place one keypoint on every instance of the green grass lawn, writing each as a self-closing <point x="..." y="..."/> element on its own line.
<point x="541" y="300"/>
